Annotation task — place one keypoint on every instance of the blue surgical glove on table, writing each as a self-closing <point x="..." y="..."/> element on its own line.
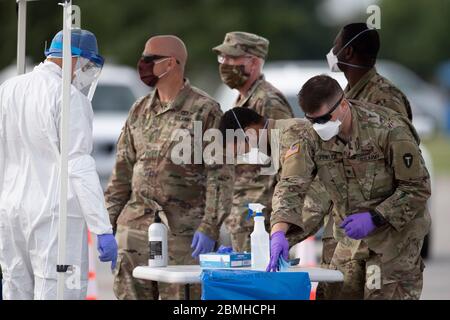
<point x="201" y="243"/>
<point x="107" y="247"/>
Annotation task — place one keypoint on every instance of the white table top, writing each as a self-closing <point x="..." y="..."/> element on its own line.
<point x="183" y="274"/>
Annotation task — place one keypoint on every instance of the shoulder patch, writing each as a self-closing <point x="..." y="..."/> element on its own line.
<point x="408" y="160"/>
<point x="295" y="148"/>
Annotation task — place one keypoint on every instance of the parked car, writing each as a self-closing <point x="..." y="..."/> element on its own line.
<point x="427" y="102"/>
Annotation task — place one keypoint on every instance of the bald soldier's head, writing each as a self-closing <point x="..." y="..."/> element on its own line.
<point x="167" y="46"/>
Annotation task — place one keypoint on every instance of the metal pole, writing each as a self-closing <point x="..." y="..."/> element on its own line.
<point x="66" y="82"/>
<point x="21" y="35"/>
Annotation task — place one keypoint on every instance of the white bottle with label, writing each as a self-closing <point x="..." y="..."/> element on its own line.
<point x="157" y="242"/>
<point x="260" y="241"/>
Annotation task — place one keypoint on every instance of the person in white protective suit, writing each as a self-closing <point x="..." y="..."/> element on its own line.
<point x="30" y="114"/>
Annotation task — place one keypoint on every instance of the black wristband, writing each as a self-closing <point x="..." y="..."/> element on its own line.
<point x="378" y="219"/>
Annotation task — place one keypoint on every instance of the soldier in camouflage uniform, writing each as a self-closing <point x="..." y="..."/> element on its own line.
<point x="241" y="58"/>
<point x="191" y="198"/>
<point x="378" y="182"/>
<point x="317" y="202"/>
<point x="366" y="85"/>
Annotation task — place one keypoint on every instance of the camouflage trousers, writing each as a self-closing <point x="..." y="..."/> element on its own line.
<point x="368" y="276"/>
<point x="134" y="252"/>
<point x="240" y="240"/>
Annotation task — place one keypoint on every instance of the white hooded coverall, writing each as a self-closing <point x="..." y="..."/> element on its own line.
<point x="30" y="112"/>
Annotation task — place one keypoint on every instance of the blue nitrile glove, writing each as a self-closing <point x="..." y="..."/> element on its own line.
<point x="201" y="243"/>
<point x="107" y="247"/>
<point x="224" y="249"/>
<point x="358" y="226"/>
<point x="279" y="247"/>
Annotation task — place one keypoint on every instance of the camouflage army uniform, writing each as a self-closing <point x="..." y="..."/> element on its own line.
<point x="249" y="185"/>
<point x="145" y="180"/>
<point x="269" y="102"/>
<point x="375" y="89"/>
<point x="381" y="168"/>
<point x="317" y="201"/>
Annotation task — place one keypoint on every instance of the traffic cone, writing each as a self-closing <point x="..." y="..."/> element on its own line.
<point x="92" y="283"/>
<point x="306" y="251"/>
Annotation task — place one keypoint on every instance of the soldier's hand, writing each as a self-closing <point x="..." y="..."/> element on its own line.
<point x="359" y="225"/>
<point x="201" y="243"/>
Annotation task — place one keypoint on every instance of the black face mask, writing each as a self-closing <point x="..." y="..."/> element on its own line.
<point x="146" y="73"/>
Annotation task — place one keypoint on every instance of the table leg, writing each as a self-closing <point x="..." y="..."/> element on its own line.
<point x="187" y="294"/>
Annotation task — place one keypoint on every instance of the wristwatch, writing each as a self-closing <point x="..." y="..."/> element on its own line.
<point x="377" y="218"/>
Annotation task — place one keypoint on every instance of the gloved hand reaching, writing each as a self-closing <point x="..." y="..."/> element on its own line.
<point x="107" y="247"/>
<point x="201" y="243"/>
<point x="279" y="246"/>
<point x="359" y="225"/>
<point x="225" y="249"/>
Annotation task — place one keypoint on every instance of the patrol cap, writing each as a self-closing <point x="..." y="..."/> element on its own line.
<point x="238" y="43"/>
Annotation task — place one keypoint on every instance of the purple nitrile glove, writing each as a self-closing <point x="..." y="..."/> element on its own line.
<point x="201" y="243"/>
<point x="107" y="247"/>
<point x="358" y="225"/>
<point x="279" y="246"/>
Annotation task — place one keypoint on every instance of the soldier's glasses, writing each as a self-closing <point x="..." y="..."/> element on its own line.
<point x="153" y="57"/>
<point x="327" y="116"/>
<point x="221" y="58"/>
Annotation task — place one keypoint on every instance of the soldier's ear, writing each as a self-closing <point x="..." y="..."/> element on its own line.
<point x="349" y="53"/>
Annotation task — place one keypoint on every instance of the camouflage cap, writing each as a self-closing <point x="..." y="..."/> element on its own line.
<point x="239" y="43"/>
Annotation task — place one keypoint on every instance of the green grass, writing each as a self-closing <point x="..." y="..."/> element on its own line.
<point x="439" y="149"/>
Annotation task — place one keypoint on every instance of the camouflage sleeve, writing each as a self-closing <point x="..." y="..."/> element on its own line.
<point x="411" y="179"/>
<point x="316" y="207"/>
<point x="118" y="190"/>
<point x="274" y="107"/>
<point x="297" y="174"/>
<point x="317" y="202"/>
<point x="219" y="187"/>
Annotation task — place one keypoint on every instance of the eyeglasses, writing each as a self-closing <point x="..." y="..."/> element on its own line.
<point x="153" y="57"/>
<point x="327" y="116"/>
<point x="221" y="58"/>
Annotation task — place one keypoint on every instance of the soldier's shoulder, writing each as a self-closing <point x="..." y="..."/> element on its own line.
<point x="295" y="130"/>
<point x="292" y="124"/>
<point x="382" y="120"/>
<point x="203" y="100"/>
<point x="385" y="87"/>
<point x="267" y="91"/>
<point x="138" y="106"/>
<point x="203" y="96"/>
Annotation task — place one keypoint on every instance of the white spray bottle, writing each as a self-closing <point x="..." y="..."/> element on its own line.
<point x="260" y="242"/>
<point x="157" y="242"/>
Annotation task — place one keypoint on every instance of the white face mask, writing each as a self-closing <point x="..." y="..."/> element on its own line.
<point x="333" y="60"/>
<point x="328" y="130"/>
<point x="253" y="157"/>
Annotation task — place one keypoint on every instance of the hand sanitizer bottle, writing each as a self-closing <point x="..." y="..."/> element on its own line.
<point x="157" y="242"/>
<point x="260" y="242"/>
